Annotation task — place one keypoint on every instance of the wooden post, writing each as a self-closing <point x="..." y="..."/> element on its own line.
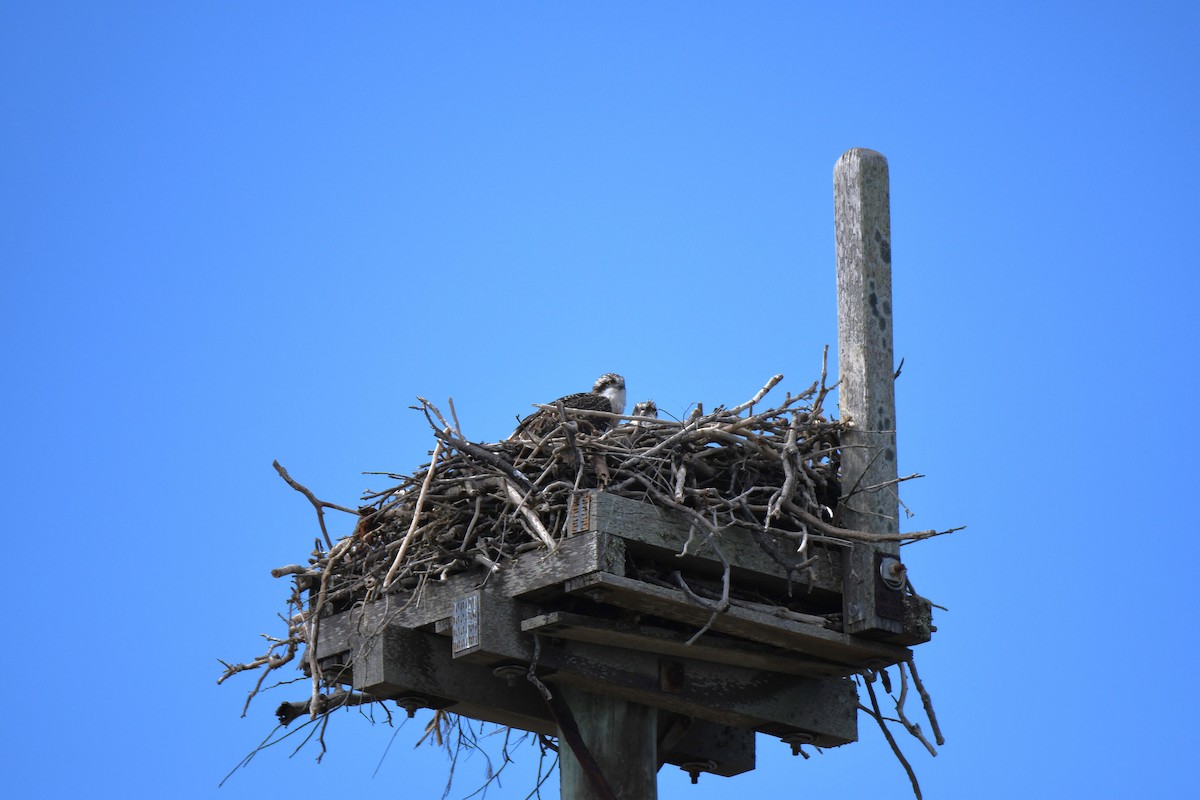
<point x="866" y="367"/>
<point x="622" y="740"/>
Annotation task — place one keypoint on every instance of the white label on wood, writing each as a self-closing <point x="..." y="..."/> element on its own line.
<point x="579" y="513"/>
<point x="465" y="632"/>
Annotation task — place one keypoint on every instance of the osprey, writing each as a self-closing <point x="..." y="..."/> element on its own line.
<point x="646" y="408"/>
<point x="607" y="394"/>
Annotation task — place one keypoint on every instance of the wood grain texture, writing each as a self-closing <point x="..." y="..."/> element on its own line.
<point x="866" y="369"/>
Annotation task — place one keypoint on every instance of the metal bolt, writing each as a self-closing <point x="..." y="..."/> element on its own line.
<point x="410" y="704"/>
<point x="510" y="672"/>
<point x="797" y="739"/>
<point x="694" y="768"/>
<point x="893" y="573"/>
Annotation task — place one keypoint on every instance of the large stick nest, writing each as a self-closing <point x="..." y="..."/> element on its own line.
<point x="476" y="506"/>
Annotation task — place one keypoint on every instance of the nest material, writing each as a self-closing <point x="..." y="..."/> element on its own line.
<point x="475" y="506"/>
<point x="478" y="505"/>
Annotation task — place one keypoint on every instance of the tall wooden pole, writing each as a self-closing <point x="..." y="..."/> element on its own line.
<point x="621" y="739"/>
<point x="862" y="222"/>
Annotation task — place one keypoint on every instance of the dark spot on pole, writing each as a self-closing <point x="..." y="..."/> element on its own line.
<point x="874" y="301"/>
<point x="889" y="454"/>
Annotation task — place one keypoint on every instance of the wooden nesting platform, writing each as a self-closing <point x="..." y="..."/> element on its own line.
<point x="605" y="613"/>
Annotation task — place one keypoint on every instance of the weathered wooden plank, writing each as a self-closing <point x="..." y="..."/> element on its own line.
<point x="539" y="570"/>
<point x="723" y="693"/>
<point x="764" y="701"/>
<point x="500" y="637"/>
<point x="400" y="663"/>
<point x="531" y="574"/>
<point x="403" y="663"/>
<point x="662" y="533"/>
<point x="845" y="654"/>
<point x="652" y="639"/>
<point x="862" y="222"/>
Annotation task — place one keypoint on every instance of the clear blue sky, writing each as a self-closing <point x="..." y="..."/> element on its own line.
<point x="236" y="232"/>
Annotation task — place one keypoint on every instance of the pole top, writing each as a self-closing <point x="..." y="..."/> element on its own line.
<point x="862" y="154"/>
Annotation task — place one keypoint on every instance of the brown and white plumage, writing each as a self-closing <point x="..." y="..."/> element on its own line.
<point x="607" y="394"/>
<point x="646" y="408"/>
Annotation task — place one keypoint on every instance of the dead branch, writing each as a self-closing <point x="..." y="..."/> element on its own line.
<point x="416" y="517"/>
<point x="288" y="713"/>
<point x="913" y="728"/>
<point x="319" y="505"/>
<point x="770" y="384"/>
<point x="927" y="702"/>
<point x="887" y="734"/>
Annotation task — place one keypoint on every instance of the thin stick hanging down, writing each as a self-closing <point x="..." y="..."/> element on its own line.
<point x="927" y="702"/>
<point x="913" y="728"/>
<point x="868" y="680"/>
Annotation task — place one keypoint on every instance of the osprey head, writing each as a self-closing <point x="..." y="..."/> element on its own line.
<point x="646" y="408"/>
<point x="612" y="386"/>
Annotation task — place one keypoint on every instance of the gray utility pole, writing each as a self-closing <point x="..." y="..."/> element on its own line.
<point x="622" y="737"/>
<point x="866" y="368"/>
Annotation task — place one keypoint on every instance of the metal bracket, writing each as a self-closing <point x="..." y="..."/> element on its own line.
<point x="889" y="583"/>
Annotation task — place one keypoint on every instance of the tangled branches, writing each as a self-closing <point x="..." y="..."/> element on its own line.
<point x="476" y="507"/>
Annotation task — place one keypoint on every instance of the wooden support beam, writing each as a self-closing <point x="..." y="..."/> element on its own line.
<point x="410" y="666"/>
<point x="395" y="661"/>
<point x="688" y="741"/>
<point x="730" y="694"/>
<point x="828" y="652"/>
<point x="661" y="534"/>
<point x="779" y="705"/>
<point x="533" y="574"/>
<point x="636" y="635"/>
<point x="866" y="367"/>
